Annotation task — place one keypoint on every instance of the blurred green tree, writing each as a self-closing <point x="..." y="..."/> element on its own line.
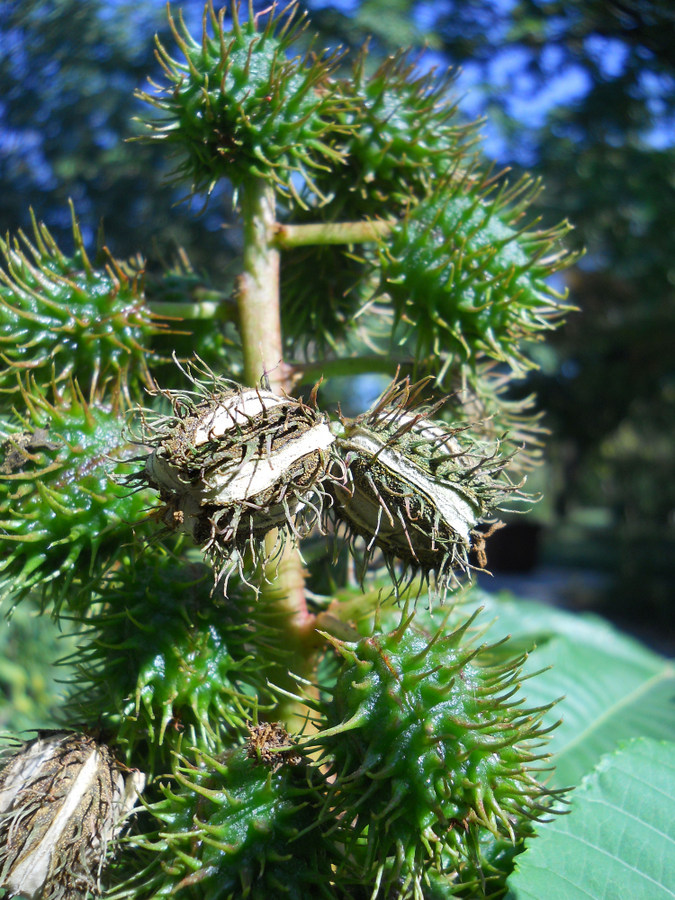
<point x="67" y="77"/>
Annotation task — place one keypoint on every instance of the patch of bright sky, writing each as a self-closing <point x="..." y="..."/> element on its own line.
<point x="141" y="20"/>
<point x="471" y="99"/>
<point x="654" y="87"/>
<point x="527" y="99"/>
<point x="23" y="150"/>
<point x="609" y="54"/>
<point x="348" y="7"/>
<point x="529" y="95"/>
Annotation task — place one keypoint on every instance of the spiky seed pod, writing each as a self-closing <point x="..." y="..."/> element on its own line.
<point x="403" y="135"/>
<point x="416" y="488"/>
<point x="237" y="107"/>
<point x="158" y="661"/>
<point x="236" y="827"/>
<point x="237" y="465"/>
<point x="492" y="402"/>
<point x="467" y="279"/>
<point x="63" y="798"/>
<point x="321" y="311"/>
<point x="429" y="752"/>
<point x="63" y="317"/>
<point x="63" y="516"/>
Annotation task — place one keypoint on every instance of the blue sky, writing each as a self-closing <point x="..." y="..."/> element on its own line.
<point x="527" y="98"/>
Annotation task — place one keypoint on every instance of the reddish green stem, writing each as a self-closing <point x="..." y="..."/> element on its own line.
<point x="260" y="327"/>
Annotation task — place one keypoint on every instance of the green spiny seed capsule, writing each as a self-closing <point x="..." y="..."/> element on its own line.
<point x="232" y="829"/>
<point x="63" y="798"/>
<point x="415" y="488"/>
<point x="467" y="280"/>
<point x="61" y="512"/>
<point x="484" y="402"/>
<point x="162" y="660"/>
<point x="238" y="107"/>
<point x="430" y="752"/>
<point x="63" y="317"/>
<point x="236" y="466"/>
<point x="403" y="133"/>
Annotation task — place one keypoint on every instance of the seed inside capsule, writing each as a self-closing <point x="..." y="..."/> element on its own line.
<point x="233" y="467"/>
<point x="259" y="475"/>
<point x="237" y="411"/>
<point x="415" y="487"/>
<point x="402" y="479"/>
<point x="63" y="798"/>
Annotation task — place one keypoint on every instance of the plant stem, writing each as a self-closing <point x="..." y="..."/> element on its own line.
<point x="174" y="309"/>
<point x="260" y="328"/>
<point x="258" y="294"/>
<point x="288" y="236"/>
<point x="349" y="366"/>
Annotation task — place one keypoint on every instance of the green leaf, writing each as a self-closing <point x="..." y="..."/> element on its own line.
<point x="613" y="688"/>
<point x="31" y="688"/>
<point x="619" y="839"/>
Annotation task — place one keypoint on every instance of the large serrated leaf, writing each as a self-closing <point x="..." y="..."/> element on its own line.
<point x="618" y="841"/>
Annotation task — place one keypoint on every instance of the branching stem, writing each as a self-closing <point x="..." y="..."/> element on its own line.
<point x="260" y="327"/>
<point x="310" y="372"/>
<point x="176" y="309"/>
<point x="288" y="236"/>
<point x="258" y="294"/>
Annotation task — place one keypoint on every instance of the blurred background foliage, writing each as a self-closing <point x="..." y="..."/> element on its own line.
<point x="581" y="94"/>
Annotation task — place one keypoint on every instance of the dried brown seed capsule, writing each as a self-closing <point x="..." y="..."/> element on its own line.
<point x="270" y="744"/>
<point x="413" y="487"/>
<point x="238" y="464"/>
<point x="63" y="798"/>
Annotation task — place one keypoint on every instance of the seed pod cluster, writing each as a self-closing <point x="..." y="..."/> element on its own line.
<point x="415" y="487"/>
<point x="237" y="465"/>
<point x="233" y="464"/>
<point x="63" y="798"/>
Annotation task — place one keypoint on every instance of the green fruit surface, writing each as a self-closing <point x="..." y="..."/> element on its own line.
<point x="430" y="755"/>
<point x="464" y="280"/>
<point x="164" y="660"/>
<point x="61" y="317"/>
<point x="63" y="512"/>
<point x="232" y="831"/>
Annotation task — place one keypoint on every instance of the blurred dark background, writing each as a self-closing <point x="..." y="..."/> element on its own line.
<point x="580" y="93"/>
